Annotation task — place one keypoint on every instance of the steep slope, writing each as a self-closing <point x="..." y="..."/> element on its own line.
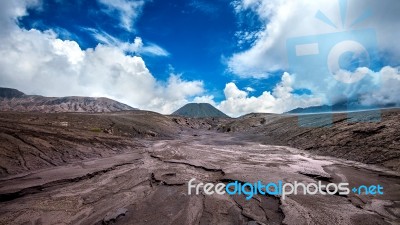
<point x="199" y="110"/>
<point x="14" y="100"/>
<point x="37" y="140"/>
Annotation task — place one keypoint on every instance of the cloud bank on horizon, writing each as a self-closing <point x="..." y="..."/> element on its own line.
<point x="41" y="62"/>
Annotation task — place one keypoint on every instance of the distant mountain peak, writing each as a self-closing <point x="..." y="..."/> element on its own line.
<point x="199" y="110"/>
<point x="339" y="107"/>
<point x="15" y="100"/>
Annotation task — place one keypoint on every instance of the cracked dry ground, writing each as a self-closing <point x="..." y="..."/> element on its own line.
<point x="148" y="185"/>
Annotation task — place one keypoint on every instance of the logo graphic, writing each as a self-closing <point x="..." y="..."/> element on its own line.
<point x="341" y="60"/>
<point x="280" y="188"/>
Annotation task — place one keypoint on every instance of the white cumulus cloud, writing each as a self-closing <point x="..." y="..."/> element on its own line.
<point x="388" y="88"/>
<point x="238" y="102"/>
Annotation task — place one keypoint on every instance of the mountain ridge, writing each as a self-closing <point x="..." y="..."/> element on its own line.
<point x="15" y="100"/>
<point x="338" y="107"/>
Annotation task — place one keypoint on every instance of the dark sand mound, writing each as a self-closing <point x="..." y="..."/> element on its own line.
<point x="35" y="140"/>
<point x="199" y="110"/>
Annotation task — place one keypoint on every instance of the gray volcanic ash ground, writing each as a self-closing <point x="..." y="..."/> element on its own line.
<point x="132" y="167"/>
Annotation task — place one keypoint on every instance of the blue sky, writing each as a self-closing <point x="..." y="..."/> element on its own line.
<point x="237" y="55"/>
<point x="199" y="36"/>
